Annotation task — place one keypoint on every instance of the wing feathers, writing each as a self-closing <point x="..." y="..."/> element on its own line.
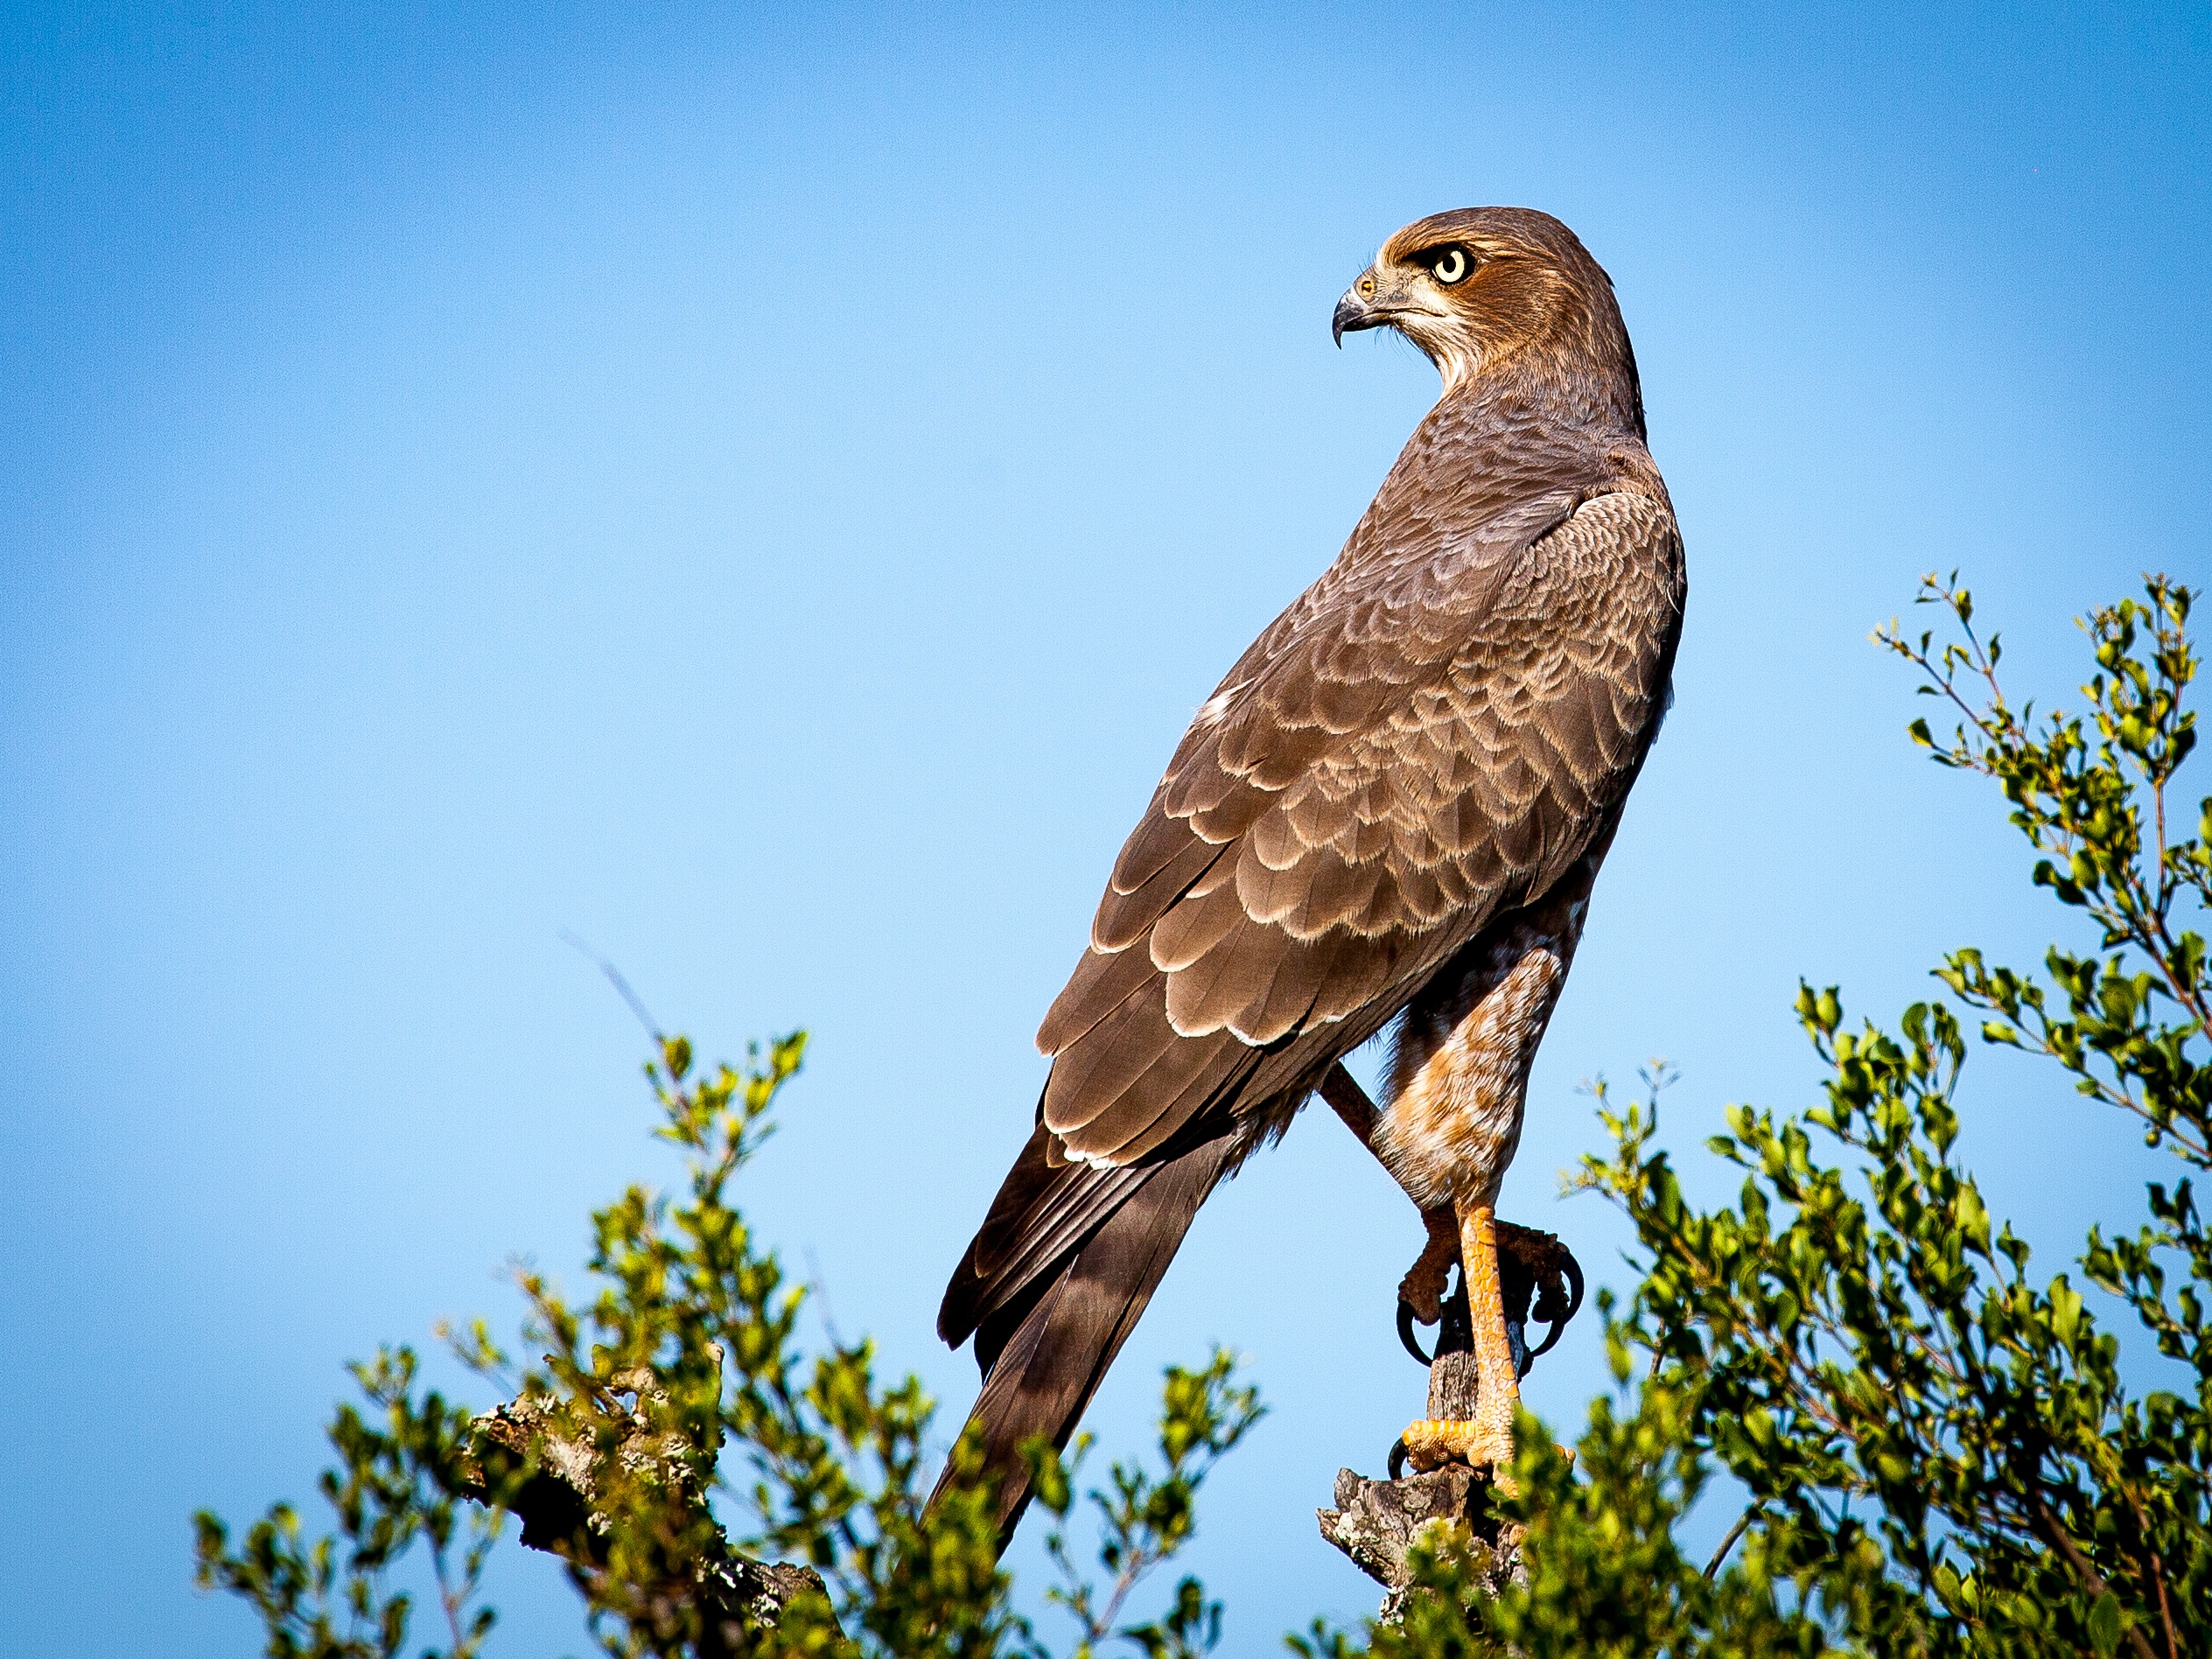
<point x="1161" y="1101"/>
<point x="1092" y="1071"/>
<point x="1392" y="769"/>
<point x="1101" y="983"/>
<point x="1357" y="802"/>
<point x="1123" y="917"/>
<point x="1196" y="926"/>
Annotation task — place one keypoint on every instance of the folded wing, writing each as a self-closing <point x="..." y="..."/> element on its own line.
<point x="1426" y="739"/>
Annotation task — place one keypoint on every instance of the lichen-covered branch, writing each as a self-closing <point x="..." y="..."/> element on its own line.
<point x="732" y="1599"/>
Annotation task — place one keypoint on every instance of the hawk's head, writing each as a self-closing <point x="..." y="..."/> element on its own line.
<point x="1480" y="286"/>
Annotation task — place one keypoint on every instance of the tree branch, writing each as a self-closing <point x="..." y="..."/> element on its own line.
<point x="2092" y="1580"/>
<point x="734" y="1597"/>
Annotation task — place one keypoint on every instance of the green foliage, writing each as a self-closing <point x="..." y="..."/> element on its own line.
<point x="683" y="1382"/>
<point x="1605" y="1573"/>
<point x="1144" y="1521"/>
<point x="400" y="1484"/>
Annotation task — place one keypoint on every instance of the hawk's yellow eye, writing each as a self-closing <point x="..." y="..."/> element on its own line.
<point x="1450" y="266"/>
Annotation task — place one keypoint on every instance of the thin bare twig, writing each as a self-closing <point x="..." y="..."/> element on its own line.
<point x="614" y="977"/>
<point x="1742" y="1526"/>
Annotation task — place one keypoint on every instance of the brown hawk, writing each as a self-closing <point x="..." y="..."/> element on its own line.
<point x="1391" y="809"/>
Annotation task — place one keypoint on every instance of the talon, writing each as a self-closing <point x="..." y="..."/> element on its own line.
<point x="1422" y="1300"/>
<point x="1573" y="1269"/>
<point x="1535" y="1265"/>
<point x="1554" y="1292"/>
<point x="1422" y="1289"/>
<point x="1406" y="1316"/>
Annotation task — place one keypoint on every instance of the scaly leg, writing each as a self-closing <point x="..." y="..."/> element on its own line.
<point x="1487" y="1437"/>
<point x="1459" y="1078"/>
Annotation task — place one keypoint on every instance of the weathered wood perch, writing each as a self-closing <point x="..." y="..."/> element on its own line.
<point x="1377" y="1523"/>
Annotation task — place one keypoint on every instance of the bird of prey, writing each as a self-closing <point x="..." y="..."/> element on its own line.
<point x="1388" y="814"/>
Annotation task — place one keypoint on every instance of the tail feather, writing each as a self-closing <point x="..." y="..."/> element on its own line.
<point x="1075" y="1320"/>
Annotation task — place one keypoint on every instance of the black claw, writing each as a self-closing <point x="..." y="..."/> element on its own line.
<point x="1398" y="1457"/>
<point x="1551" y="1337"/>
<point x="1405" y="1335"/>
<point x="1572" y="1269"/>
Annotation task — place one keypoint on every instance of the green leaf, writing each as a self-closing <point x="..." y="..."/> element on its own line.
<point x="2104" y="1625"/>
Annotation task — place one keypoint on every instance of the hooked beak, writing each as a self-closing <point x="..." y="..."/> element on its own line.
<point x="1353" y="313"/>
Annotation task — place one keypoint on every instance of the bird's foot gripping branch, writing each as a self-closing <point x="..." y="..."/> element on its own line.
<point x="1461" y="1459"/>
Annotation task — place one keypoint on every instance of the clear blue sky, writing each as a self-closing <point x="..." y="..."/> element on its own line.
<point x="766" y="492"/>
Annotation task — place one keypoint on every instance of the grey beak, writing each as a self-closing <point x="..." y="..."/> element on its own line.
<point x="1352" y="315"/>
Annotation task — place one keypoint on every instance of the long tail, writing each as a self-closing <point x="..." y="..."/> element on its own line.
<point x="1070" y="1319"/>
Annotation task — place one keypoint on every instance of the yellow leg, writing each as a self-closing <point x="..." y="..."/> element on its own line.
<point x="1487" y="1438"/>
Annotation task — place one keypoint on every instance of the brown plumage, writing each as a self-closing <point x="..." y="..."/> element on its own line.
<point x="1400" y="792"/>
